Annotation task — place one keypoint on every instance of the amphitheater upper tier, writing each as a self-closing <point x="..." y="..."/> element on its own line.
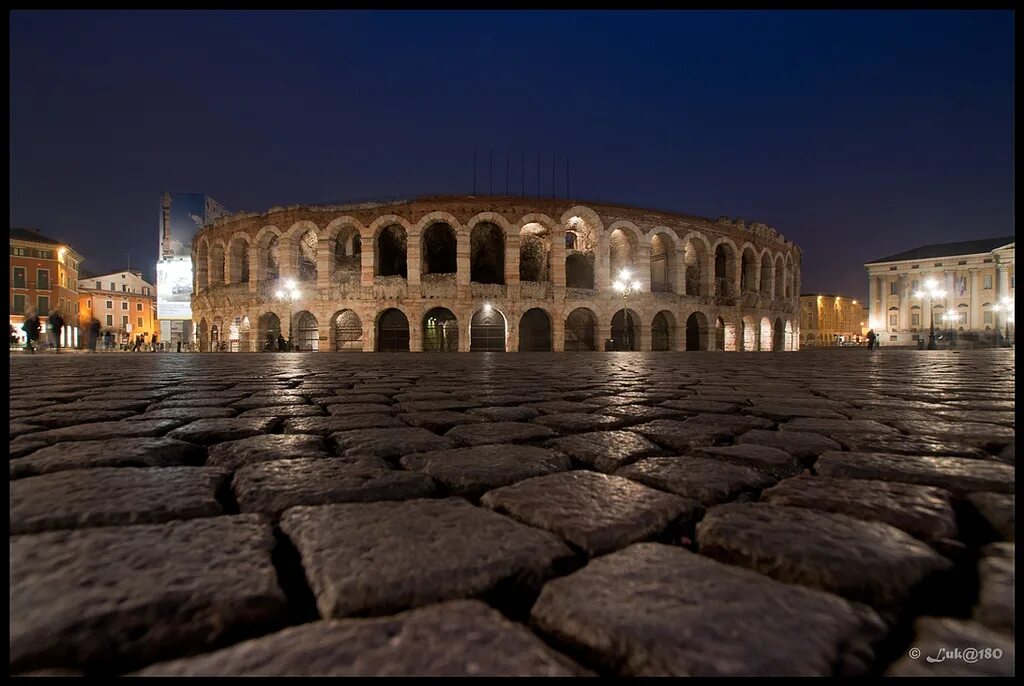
<point x="460" y="273"/>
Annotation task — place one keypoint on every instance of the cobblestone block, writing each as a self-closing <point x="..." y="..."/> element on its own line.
<point x="325" y="426"/>
<point x="778" y="463"/>
<point x="439" y="421"/>
<point x="231" y="455"/>
<point x="656" y="610"/>
<point x="699" y="406"/>
<point x="470" y="472"/>
<point x="709" y="481"/>
<point x="806" y="447"/>
<point x="284" y="411"/>
<point x="997" y="510"/>
<point x="595" y="512"/>
<point x="360" y="409"/>
<point x="377" y="558"/>
<point x="207" y="431"/>
<point x="186" y="413"/>
<point x="605" y="451"/>
<point x="505" y="414"/>
<point x="680" y="436"/>
<point x="388" y="443"/>
<point x="126" y="596"/>
<point x="97" y="431"/>
<point x="498" y="432"/>
<point x="870" y="562"/>
<point x="995" y="608"/>
<point x="60" y="418"/>
<point x="124" y="452"/>
<point x="958" y="475"/>
<point x="578" y="422"/>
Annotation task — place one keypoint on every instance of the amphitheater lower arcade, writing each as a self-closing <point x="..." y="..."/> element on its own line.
<point x="492" y="274"/>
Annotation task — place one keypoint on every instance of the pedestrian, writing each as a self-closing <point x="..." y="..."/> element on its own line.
<point x="155" y="341"/>
<point x="280" y="343"/>
<point x="94" y="333"/>
<point x="179" y="346"/>
<point x="31" y="328"/>
<point x="871" y="339"/>
<point x="56" y="326"/>
<point x="14" y="336"/>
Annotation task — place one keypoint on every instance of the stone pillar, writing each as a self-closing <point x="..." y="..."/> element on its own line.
<point x="644" y="344"/>
<point x="604" y="330"/>
<point x="413" y="263"/>
<point x="512" y="264"/>
<point x="462" y="275"/>
<point x="254" y="268"/>
<point x="558" y="262"/>
<point x="465" y="333"/>
<point x="643" y="267"/>
<point x="977" y="317"/>
<point x="324" y="263"/>
<point x="415" y="331"/>
<point x="557" y="331"/>
<point x="905" y="297"/>
<point x="512" y="329"/>
<point x="1002" y="281"/>
<point x="873" y="303"/>
<point x="369" y="246"/>
<point x="602" y="282"/>
<point x="287" y="253"/>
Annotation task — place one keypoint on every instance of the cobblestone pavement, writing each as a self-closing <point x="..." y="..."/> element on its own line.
<point x="822" y="512"/>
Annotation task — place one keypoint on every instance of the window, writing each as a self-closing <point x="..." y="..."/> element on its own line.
<point x="915" y="266"/>
<point x="19" y="303"/>
<point x="43" y="279"/>
<point x="145" y="290"/>
<point x="938" y="264"/>
<point x="124" y="289"/>
<point x="44" y="304"/>
<point x="124" y="322"/>
<point x="138" y="306"/>
<point x="99" y="286"/>
<point x="18" y="278"/>
<point x="962" y="262"/>
<point x="915" y="320"/>
<point x="894" y="338"/>
<point x="113" y="286"/>
<point x="140" y="322"/>
<point x="893" y="321"/>
<point x="913" y="285"/>
<point x="124" y="304"/>
<point x="110" y="304"/>
<point x="45" y="254"/>
<point x="989" y="316"/>
<point x="110" y="320"/>
<point x="988" y="281"/>
<point x="894" y="288"/>
<point x="20" y="252"/>
<point x="892" y="269"/>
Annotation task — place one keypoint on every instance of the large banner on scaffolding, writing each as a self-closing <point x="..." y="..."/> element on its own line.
<point x="182" y="215"/>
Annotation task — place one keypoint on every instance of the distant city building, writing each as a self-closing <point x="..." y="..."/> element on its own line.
<point x="827" y="319"/>
<point x="43" y="277"/>
<point x="977" y="276"/>
<point x="122" y="301"/>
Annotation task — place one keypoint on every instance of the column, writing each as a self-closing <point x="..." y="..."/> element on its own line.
<point x="602" y="282"/>
<point x="465" y="330"/>
<point x="873" y="303"/>
<point x="366" y="260"/>
<point x="558" y="262"/>
<point x="324" y="262"/>
<point x="644" y="344"/>
<point x="976" y="322"/>
<point x="462" y="273"/>
<point x="287" y="253"/>
<point x="413" y="263"/>
<point x="254" y="270"/>
<point x="643" y="268"/>
<point x="905" y="303"/>
<point x="557" y="331"/>
<point x="512" y="264"/>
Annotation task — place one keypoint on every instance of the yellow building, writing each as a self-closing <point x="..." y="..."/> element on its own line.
<point x="828" y="320"/>
<point x="123" y="302"/>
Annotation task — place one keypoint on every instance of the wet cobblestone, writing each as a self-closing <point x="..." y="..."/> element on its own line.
<point x="811" y="513"/>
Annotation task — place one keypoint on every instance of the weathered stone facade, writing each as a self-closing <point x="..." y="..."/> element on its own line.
<point x="467" y="273"/>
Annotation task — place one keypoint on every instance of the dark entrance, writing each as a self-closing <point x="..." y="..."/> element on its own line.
<point x="625" y="330"/>
<point x="661" y="333"/>
<point x="535" y="331"/>
<point x="580" y="330"/>
<point x="779" y="336"/>
<point x="393" y="332"/>
<point x="440" y="331"/>
<point x="693" y="327"/>
<point x="487" y="332"/>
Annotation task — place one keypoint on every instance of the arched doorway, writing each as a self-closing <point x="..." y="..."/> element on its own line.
<point x="440" y="331"/>
<point x="348" y="332"/>
<point x="725" y="269"/>
<point x="626" y="330"/>
<point x="662" y="331"/>
<point x="622" y="250"/>
<point x="215" y="338"/>
<point x="749" y="330"/>
<point x="239" y="253"/>
<point x="268" y="330"/>
<point x="779" y="335"/>
<point x="487" y="331"/>
<point x="439" y="246"/>
<point x="390" y="255"/>
<point x="766" y="334"/>
<point x="392" y="332"/>
<point x="696" y="325"/>
<point x="307" y="333"/>
<point x="487" y="254"/>
<point x="535" y="331"/>
<point x="663" y="264"/>
<point x="581" y="330"/>
<point x="534" y="253"/>
<point x="719" y="334"/>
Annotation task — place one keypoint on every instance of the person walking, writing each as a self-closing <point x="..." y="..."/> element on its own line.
<point x="94" y="333"/>
<point x="155" y="341"/>
<point x="56" y="327"/>
<point x="14" y="336"/>
<point x="871" y="339"/>
<point x="31" y="328"/>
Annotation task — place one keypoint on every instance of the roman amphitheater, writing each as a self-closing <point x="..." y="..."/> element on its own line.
<point x="470" y="273"/>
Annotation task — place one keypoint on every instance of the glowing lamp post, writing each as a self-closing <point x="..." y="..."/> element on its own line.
<point x="1006" y="307"/>
<point x="289" y="294"/>
<point x="626" y="286"/>
<point x="951" y="318"/>
<point x="931" y="291"/>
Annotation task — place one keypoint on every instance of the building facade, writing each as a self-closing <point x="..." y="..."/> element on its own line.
<point x="464" y="273"/>
<point x="977" y="277"/>
<point x="122" y="301"/>
<point x="43" y="278"/>
<point x="827" y="319"/>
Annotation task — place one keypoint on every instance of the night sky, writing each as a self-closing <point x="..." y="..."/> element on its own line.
<point x="855" y="134"/>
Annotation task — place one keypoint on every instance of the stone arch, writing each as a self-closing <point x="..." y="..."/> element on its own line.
<point x="697" y="331"/>
<point x="238" y="259"/>
<point x="624" y="240"/>
<point x="579" y="270"/>
<point x="246" y="343"/>
<point x="392" y="331"/>
<point x="390" y="254"/>
<point x="307" y="332"/>
<point x="347" y="331"/>
<point x="582" y="230"/>
<point x="217" y="263"/>
<point x="535" y="252"/>
<point x="780" y="277"/>
<point x="778" y="335"/>
<point x="202" y="264"/>
<point x="581" y="330"/>
<point x="440" y="331"/>
<point x="720" y="334"/>
<point x="438" y="249"/>
<point x="581" y="217"/>
<point x="725" y="268"/>
<point x="663" y="331"/>
<point x="268" y="329"/>
<point x="487" y="253"/>
<point x="488" y="330"/>
<point x="625" y="329"/>
<point x="342" y="237"/>
<point x="765" y="342"/>
<point x="748" y="334"/>
<point x="663" y="260"/>
<point x="790" y="281"/>
<point x="696" y="261"/>
<point x="535" y="331"/>
<point x="766" y="274"/>
<point x="748" y="269"/>
<point x="305" y="250"/>
<point x="268" y="254"/>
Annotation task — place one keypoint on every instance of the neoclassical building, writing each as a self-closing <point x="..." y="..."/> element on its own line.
<point x="469" y="273"/>
<point x="977" y="276"/>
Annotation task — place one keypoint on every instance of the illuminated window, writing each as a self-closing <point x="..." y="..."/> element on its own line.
<point x="915" y="320"/>
<point x="20" y="252"/>
<point x="140" y="322"/>
<point x="893" y="321"/>
<point x="988" y="281"/>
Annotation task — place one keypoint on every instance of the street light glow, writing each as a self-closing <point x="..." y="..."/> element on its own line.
<point x="625" y="274"/>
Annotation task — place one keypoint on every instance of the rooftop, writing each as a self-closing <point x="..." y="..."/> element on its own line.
<point x="32" y="235"/>
<point x="927" y="252"/>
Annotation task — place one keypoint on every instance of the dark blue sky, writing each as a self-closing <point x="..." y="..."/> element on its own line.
<point x="856" y="134"/>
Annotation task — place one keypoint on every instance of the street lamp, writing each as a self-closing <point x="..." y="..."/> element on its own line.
<point x="625" y="286"/>
<point x="289" y="294"/>
<point x="931" y="291"/>
<point x="1006" y="306"/>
